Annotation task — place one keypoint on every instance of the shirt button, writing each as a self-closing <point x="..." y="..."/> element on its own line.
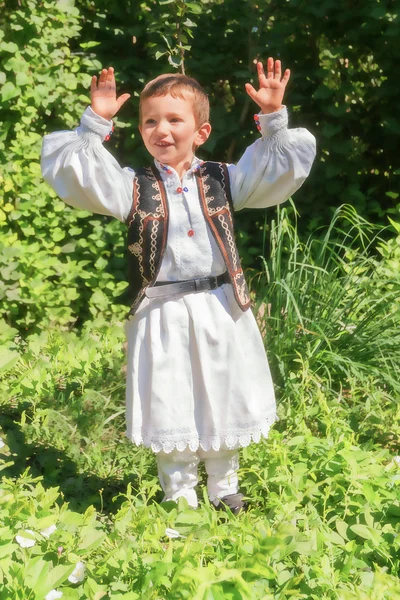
<point x="179" y="190"/>
<point x="190" y="233"/>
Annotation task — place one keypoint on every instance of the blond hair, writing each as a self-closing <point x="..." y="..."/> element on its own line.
<point x="179" y="86"/>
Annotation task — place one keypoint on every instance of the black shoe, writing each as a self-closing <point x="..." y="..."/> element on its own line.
<point x="234" y="502"/>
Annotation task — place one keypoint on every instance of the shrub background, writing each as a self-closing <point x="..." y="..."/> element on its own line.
<point x="324" y="488"/>
<point x="59" y="265"/>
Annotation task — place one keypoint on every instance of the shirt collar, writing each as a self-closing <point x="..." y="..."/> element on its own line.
<point x="168" y="171"/>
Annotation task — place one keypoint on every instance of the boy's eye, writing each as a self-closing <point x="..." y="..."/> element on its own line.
<point x="149" y="121"/>
<point x="175" y="120"/>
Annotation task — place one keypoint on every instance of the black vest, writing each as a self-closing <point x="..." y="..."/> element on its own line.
<point x="148" y="227"/>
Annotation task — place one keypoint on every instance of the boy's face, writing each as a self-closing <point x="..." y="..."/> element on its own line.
<point x="170" y="132"/>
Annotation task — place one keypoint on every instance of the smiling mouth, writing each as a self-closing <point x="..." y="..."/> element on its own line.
<point x="163" y="144"/>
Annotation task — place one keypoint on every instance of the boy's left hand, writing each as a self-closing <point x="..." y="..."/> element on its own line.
<point x="272" y="87"/>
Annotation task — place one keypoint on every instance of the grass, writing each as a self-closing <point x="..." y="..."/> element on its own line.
<point x="324" y="521"/>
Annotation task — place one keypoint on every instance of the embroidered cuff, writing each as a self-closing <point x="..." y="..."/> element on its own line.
<point x="93" y="122"/>
<point x="271" y="124"/>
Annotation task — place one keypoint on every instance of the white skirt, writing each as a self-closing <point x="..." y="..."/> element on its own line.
<point x="197" y="374"/>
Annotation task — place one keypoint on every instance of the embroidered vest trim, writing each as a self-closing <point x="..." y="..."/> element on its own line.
<point x="148" y="228"/>
<point x="216" y="202"/>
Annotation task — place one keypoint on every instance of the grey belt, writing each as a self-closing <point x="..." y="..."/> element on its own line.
<point x="164" y="288"/>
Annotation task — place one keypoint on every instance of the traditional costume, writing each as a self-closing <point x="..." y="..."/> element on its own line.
<point x="198" y="381"/>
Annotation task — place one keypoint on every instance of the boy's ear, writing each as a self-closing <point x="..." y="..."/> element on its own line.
<point x="203" y="134"/>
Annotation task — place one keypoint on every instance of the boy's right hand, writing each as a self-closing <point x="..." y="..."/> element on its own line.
<point x="103" y="95"/>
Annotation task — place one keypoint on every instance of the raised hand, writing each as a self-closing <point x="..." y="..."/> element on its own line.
<point x="272" y="86"/>
<point x="104" y="95"/>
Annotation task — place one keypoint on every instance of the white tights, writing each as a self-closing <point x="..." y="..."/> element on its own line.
<point x="178" y="473"/>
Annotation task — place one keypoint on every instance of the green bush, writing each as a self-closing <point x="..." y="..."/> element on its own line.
<point x="58" y="266"/>
<point x="324" y="499"/>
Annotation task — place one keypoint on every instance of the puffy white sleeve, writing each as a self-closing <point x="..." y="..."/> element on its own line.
<point x="83" y="173"/>
<point x="275" y="166"/>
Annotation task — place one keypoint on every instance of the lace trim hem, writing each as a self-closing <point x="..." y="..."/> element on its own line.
<point x="230" y="440"/>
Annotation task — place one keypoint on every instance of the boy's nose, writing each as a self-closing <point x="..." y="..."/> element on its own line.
<point x="162" y="128"/>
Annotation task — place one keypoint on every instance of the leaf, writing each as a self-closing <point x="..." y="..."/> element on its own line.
<point x="189" y="23"/>
<point x="7" y="549"/>
<point x="394" y="509"/>
<point x="367" y="533"/>
<point x="52" y="579"/>
<point x="70" y="594"/>
<point x="35" y="569"/>
<point x="174" y="63"/>
<point x="126" y="596"/>
<point x="22" y="78"/>
<point x="87" y="45"/>
<point x="296" y="441"/>
<point x="58" y="234"/>
<point x="91" y="539"/>
<point x="194" y="8"/>
<point x="93" y="590"/>
<point x="189" y="518"/>
<point x="68" y="248"/>
<point x="335" y="538"/>
<point x="9" y="47"/>
<point x="9" y="91"/>
<point x="72" y="519"/>
<point x="8" y="359"/>
<point x="342" y="528"/>
<point x="394" y="224"/>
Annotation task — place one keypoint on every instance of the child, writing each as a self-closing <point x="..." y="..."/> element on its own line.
<point x="198" y="381"/>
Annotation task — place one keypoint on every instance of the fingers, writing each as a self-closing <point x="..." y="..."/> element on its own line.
<point x="122" y="99"/>
<point x="110" y="80"/>
<point x="270" y="68"/>
<point x="274" y="71"/>
<point x="261" y="73"/>
<point x="251" y="91"/>
<point x="278" y="70"/>
<point x="93" y="84"/>
<point x="107" y="79"/>
<point x="286" y="77"/>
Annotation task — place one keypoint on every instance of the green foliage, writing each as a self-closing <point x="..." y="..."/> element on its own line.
<point x="57" y="265"/>
<point x="323" y="489"/>
<point x="325" y="503"/>
<point x="329" y="302"/>
<point x="176" y="30"/>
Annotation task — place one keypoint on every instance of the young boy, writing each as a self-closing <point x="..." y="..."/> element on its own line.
<point x="198" y="381"/>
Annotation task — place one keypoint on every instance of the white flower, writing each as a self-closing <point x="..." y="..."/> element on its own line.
<point x="26" y="542"/>
<point x="2" y="444"/>
<point x="172" y="533"/>
<point x="53" y="595"/>
<point x="78" y="574"/>
<point x="48" y="531"/>
<point x="396" y="459"/>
